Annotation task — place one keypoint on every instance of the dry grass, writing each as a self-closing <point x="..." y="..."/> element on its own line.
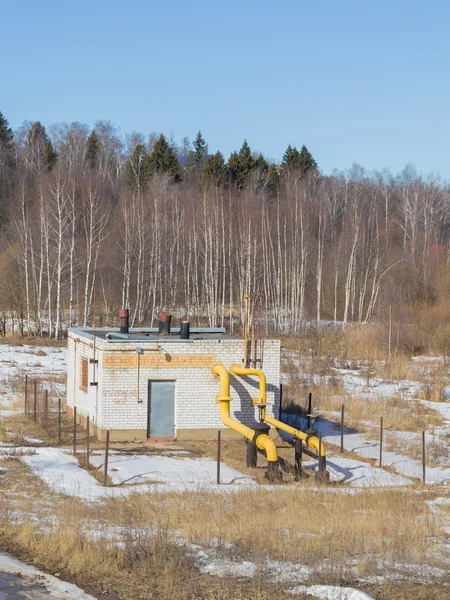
<point x="434" y="382"/>
<point x="396" y="369"/>
<point x="24" y="426"/>
<point x="399" y="414"/>
<point x="17" y="340"/>
<point x="339" y="536"/>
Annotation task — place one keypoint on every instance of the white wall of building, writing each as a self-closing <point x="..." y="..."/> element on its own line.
<point x="113" y="403"/>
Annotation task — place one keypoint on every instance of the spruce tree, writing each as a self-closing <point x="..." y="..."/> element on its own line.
<point x="200" y="152"/>
<point x="302" y="161"/>
<point x="37" y="134"/>
<point x="51" y="156"/>
<point x="233" y="167"/>
<point x="306" y="160"/>
<point x="241" y="164"/>
<point x="6" y="133"/>
<point x="246" y="163"/>
<point x="214" y="169"/>
<point x="39" y="142"/>
<point x="163" y="159"/>
<point x="291" y="158"/>
<point x="92" y="150"/>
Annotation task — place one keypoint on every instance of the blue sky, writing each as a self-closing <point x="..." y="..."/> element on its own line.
<point x="356" y="81"/>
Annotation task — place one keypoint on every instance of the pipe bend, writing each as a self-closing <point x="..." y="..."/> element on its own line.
<point x="239" y="370"/>
<point x="264" y="442"/>
<point x="221" y="372"/>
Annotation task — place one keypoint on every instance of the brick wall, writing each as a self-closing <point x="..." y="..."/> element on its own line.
<point x="114" y="404"/>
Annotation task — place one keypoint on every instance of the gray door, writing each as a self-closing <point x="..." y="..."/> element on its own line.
<point x="161" y="409"/>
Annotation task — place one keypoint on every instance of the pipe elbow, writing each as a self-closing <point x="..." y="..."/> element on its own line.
<point x="220" y="371"/>
<point x="264" y="442"/>
<point x="314" y="442"/>
<point x="236" y="369"/>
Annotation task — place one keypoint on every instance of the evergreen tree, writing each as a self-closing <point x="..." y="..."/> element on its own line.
<point x="6" y="133"/>
<point x="241" y="164"/>
<point x="299" y="161"/>
<point x="306" y="160"/>
<point x="200" y="152"/>
<point x="92" y="150"/>
<point x="261" y="163"/>
<point x="163" y="159"/>
<point x="233" y="167"/>
<point x="291" y="158"/>
<point x="247" y="164"/>
<point x="39" y="142"/>
<point x="50" y="156"/>
<point x="137" y="168"/>
<point x="214" y="169"/>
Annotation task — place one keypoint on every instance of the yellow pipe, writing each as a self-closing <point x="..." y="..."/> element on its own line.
<point x="263" y="441"/>
<point x="312" y="441"/>
<point x="238" y="370"/>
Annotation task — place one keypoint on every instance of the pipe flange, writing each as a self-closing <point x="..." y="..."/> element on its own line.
<point x="260" y="429"/>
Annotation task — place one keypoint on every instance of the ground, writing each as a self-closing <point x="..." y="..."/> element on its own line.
<point x="370" y="532"/>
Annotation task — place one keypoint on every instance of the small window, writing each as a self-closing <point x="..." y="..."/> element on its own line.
<point x="84" y="374"/>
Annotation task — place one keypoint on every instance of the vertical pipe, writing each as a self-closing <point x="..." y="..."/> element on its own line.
<point x="381" y="441"/>
<point x="46" y="410"/>
<point x="309" y="409"/>
<point x="35" y="402"/>
<point x="342" y="428"/>
<point x="105" y="480"/>
<point x="423" y="456"/>
<point x="245" y="329"/>
<point x="59" y="419"/>
<point x="87" y="442"/>
<point x="252" y="346"/>
<point x="252" y="455"/>
<point x="218" y="457"/>
<point x="74" y="430"/>
<point x="26" y="394"/>
<point x="281" y="401"/>
<point x="298" y="458"/>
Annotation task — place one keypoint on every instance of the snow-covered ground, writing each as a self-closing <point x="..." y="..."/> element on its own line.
<point x="29" y="582"/>
<point x="62" y="473"/>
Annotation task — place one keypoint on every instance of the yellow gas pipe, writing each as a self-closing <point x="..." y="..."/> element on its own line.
<point x="312" y="440"/>
<point x="261" y="440"/>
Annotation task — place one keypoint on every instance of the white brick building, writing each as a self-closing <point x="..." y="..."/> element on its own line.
<point x="145" y="385"/>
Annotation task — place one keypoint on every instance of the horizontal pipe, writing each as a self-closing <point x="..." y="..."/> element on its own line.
<point x="312" y="441"/>
<point x="239" y="370"/>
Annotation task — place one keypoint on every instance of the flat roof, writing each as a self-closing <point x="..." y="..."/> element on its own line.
<point x="150" y="334"/>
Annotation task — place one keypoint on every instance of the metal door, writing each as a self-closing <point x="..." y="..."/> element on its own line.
<point x="161" y="409"/>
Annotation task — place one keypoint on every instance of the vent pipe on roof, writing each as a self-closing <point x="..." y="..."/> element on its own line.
<point x="164" y="319"/>
<point x="185" y="330"/>
<point x="124" y="314"/>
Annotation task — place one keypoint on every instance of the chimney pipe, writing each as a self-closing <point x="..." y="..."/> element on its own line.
<point x="185" y="330"/>
<point x="164" y="319"/>
<point x="123" y="314"/>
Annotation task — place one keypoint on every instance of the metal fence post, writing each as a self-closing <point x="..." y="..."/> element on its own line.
<point x="105" y="481"/>
<point x="46" y="410"/>
<point x="218" y="456"/>
<point x="423" y="457"/>
<point x="74" y="430"/>
<point x="298" y="458"/>
<point x="26" y="394"/>
<point x="381" y="441"/>
<point x="87" y="442"/>
<point x="342" y="428"/>
<point x="59" y="419"/>
<point x="35" y="402"/>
